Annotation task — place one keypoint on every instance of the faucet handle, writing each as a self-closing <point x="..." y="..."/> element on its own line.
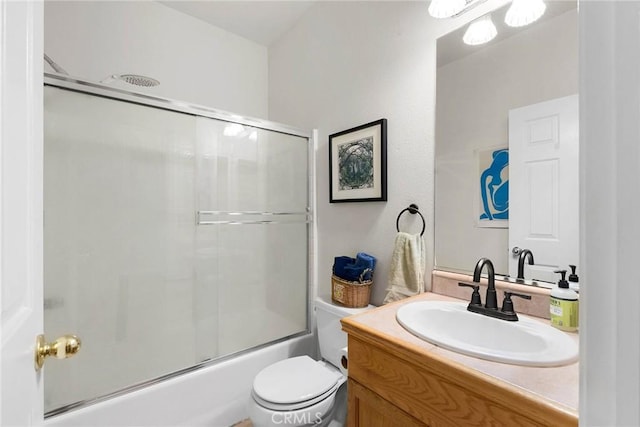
<point x="507" y="304"/>
<point x="475" y="296"/>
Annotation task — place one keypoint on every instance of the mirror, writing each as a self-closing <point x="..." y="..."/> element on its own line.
<point x="477" y="86"/>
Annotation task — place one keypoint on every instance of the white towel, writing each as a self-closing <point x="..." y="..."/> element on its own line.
<point x="406" y="274"/>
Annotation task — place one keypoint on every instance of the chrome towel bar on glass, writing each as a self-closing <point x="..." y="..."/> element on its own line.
<point x="412" y="209"/>
<point x="251" y="217"/>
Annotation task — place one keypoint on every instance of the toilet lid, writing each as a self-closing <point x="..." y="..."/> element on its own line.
<point x="294" y="380"/>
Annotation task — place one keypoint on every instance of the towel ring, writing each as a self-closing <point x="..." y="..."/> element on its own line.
<point x="412" y="209"/>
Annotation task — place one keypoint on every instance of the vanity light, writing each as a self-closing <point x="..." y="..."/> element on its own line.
<point x="480" y="31"/>
<point x="446" y="8"/>
<point x="524" y="12"/>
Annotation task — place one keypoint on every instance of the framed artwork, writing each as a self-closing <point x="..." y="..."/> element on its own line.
<point x="493" y="188"/>
<point x="358" y="164"/>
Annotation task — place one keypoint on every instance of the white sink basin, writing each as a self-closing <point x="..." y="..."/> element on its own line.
<point x="526" y="342"/>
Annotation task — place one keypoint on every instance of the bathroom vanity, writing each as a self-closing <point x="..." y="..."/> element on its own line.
<point x="397" y="379"/>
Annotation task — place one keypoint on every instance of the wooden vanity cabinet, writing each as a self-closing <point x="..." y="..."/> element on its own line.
<point x="368" y="409"/>
<point x="392" y="384"/>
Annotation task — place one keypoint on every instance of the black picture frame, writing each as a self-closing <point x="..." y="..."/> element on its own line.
<point x="358" y="164"/>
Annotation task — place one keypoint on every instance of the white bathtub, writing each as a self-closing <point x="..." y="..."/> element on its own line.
<point x="214" y="396"/>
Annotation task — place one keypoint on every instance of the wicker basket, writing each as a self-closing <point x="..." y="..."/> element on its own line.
<point x="350" y="294"/>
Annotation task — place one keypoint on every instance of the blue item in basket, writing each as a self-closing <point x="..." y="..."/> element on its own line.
<point x="351" y="269"/>
<point x="365" y="263"/>
<point x="368" y="260"/>
<point x="339" y="264"/>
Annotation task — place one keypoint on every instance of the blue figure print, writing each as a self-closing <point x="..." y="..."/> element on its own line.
<point x="493" y="189"/>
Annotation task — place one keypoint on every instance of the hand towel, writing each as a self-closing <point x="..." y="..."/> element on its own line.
<point x="406" y="270"/>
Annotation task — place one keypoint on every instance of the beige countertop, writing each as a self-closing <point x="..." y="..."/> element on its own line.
<point x="558" y="386"/>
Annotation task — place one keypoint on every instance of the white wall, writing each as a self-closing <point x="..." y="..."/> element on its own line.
<point x="349" y="63"/>
<point x="475" y="94"/>
<point x="194" y="61"/>
<point x="610" y="202"/>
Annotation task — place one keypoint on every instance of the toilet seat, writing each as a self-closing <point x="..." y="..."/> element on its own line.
<point x="294" y="406"/>
<point x="295" y="383"/>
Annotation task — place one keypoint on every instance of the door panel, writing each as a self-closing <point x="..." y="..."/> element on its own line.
<point x="543" y="194"/>
<point x="20" y="210"/>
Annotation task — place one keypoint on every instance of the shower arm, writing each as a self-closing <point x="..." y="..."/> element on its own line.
<point x="56" y="67"/>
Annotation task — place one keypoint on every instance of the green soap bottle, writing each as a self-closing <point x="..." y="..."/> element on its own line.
<point x="563" y="305"/>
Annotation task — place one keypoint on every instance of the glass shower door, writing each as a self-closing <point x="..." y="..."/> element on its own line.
<point x="171" y="239"/>
<point x="252" y="200"/>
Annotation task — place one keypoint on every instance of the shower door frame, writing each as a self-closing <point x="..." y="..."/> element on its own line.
<point x="83" y="86"/>
<point x="92" y="88"/>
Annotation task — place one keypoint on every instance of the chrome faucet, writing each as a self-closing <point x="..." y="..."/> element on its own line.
<point x="491" y="301"/>
<point x="521" y="260"/>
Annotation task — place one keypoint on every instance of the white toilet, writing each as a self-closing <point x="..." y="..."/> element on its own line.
<point x="300" y="391"/>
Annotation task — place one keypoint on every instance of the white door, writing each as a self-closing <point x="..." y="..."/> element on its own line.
<point x="543" y="186"/>
<point x="20" y="210"/>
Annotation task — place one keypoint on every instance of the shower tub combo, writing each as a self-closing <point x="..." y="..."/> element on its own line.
<point x="177" y="242"/>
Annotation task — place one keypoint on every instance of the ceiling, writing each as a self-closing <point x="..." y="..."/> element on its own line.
<point x="262" y="21"/>
<point x="265" y="21"/>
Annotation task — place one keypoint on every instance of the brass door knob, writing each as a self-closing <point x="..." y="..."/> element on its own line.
<point x="62" y="348"/>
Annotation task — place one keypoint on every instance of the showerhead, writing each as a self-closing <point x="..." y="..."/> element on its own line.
<point x="133" y="79"/>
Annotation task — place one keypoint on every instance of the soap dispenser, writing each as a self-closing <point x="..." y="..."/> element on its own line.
<point x="573" y="279"/>
<point x="563" y="305"/>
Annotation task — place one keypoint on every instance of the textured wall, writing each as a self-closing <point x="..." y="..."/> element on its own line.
<point x="350" y="63"/>
<point x="194" y="61"/>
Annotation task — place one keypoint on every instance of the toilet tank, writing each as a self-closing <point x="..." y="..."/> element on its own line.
<point x="330" y="335"/>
